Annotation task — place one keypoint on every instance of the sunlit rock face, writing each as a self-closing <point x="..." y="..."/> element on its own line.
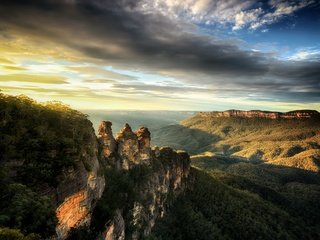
<point x="72" y="212"/>
<point x="299" y="114"/>
<point x="144" y="140"/>
<point x="106" y="138"/>
<point x="128" y="148"/>
<point x="79" y="189"/>
<point x="167" y="179"/>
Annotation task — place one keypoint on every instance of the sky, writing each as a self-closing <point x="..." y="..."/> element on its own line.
<point x="198" y="55"/>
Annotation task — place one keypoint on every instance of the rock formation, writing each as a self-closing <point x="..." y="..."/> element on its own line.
<point x="107" y="140"/>
<point x="164" y="179"/>
<point x="80" y="187"/>
<point x="299" y="114"/>
<point x="52" y="151"/>
<point x="127" y="149"/>
<point x="144" y="139"/>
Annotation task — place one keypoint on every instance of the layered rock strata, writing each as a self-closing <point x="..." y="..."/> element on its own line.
<point x="78" y="190"/>
<point x="299" y="114"/>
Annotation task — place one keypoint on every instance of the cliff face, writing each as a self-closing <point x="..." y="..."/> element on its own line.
<point x="52" y="153"/>
<point x="52" y="181"/>
<point x="299" y="114"/>
<point x="164" y="180"/>
<point x="79" y="188"/>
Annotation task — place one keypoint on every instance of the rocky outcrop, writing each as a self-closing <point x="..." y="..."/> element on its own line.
<point x="162" y="177"/>
<point x="127" y="149"/>
<point x="159" y="190"/>
<point x="107" y="140"/>
<point x="78" y="190"/>
<point x="144" y="140"/>
<point x="299" y="114"/>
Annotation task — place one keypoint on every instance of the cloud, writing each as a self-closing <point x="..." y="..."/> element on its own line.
<point x="280" y="9"/>
<point x="251" y="13"/>
<point x="47" y="79"/>
<point x="244" y="18"/>
<point x="141" y="35"/>
<point x="5" y="61"/>
<point x="13" y="68"/>
<point x="197" y="10"/>
<point x="98" y="81"/>
<point x="306" y="54"/>
<point x="99" y="71"/>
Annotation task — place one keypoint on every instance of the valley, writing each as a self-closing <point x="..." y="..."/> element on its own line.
<point x="258" y="162"/>
<point x="245" y="178"/>
<point x="292" y="142"/>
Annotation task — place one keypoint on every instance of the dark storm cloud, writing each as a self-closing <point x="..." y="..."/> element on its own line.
<point x="119" y="34"/>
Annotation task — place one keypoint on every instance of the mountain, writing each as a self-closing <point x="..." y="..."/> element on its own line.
<point x="59" y="180"/>
<point x="255" y="176"/>
<point x="287" y="139"/>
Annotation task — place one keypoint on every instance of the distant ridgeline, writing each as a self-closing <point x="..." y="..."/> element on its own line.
<point x="298" y="114"/>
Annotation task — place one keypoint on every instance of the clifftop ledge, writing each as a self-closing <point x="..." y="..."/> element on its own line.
<point x="298" y="114"/>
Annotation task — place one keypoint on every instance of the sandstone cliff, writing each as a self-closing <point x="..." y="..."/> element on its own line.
<point x="163" y="178"/>
<point x="298" y="114"/>
<point x="79" y="188"/>
<point x="49" y="167"/>
<point x="55" y="173"/>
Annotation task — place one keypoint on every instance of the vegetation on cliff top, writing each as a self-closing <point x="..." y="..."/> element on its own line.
<point x="37" y="143"/>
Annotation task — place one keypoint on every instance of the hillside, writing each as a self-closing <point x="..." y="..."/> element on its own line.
<point x="293" y="142"/>
<point x="60" y="181"/>
<point x="255" y="176"/>
<point x="226" y="206"/>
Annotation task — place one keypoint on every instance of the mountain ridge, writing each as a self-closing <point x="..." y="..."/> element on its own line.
<point x="295" y="114"/>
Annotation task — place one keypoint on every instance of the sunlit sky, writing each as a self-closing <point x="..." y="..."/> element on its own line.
<point x="163" y="54"/>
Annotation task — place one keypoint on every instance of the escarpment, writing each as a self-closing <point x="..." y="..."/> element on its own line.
<point x="57" y="178"/>
<point x="158" y="176"/>
<point x="298" y="114"/>
<point x="79" y="189"/>
<point x="50" y="152"/>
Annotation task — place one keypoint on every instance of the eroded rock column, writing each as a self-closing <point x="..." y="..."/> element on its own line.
<point x="144" y="139"/>
<point x="106" y="138"/>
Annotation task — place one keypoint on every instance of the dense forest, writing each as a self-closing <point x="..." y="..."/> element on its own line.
<point x="37" y="142"/>
<point x="220" y="205"/>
